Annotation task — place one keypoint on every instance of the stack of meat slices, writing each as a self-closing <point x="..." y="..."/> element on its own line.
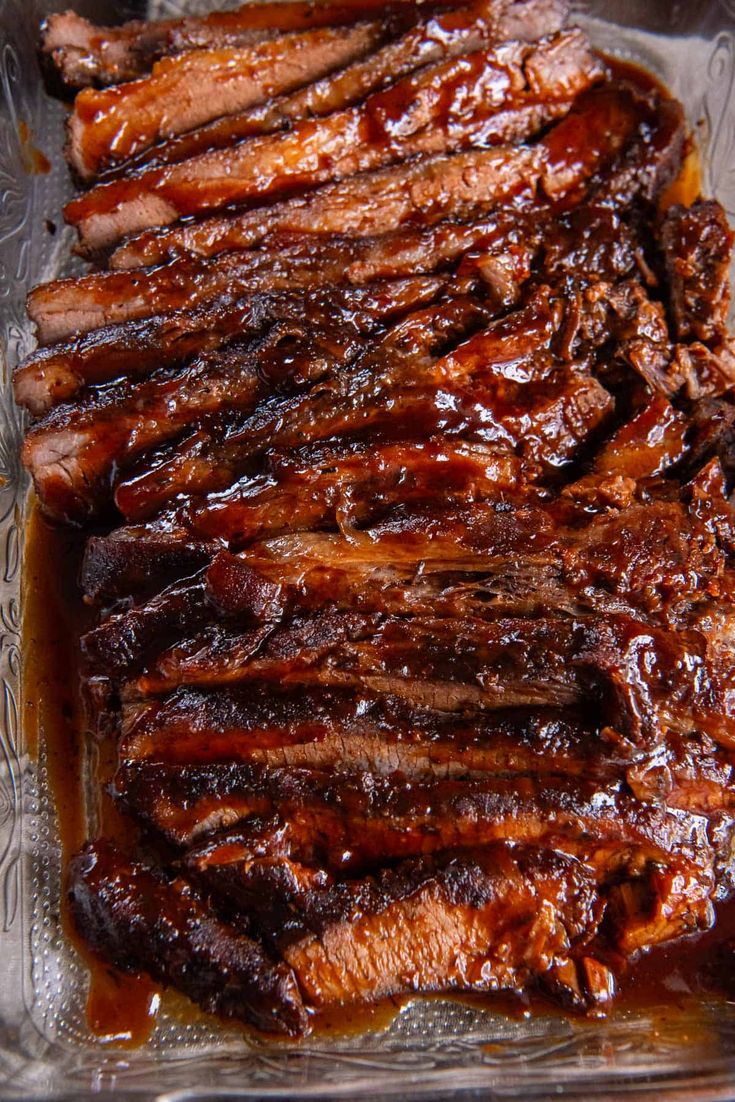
<point x="400" y="401"/>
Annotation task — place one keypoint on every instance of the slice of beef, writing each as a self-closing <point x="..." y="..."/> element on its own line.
<point x="54" y="374"/>
<point x="489" y="388"/>
<point x="108" y="126"/>
<point x="659" y="560"/>
<point x="643" y="679"/>
<point x="377" y="734"/>
<point x="502" y="94"/>
<point x="73" y="453"/>
<point x="137" y="921"/>
<point x="350" y="821"/>
<point x="650" y="443"/>
<point x="85" y="54"/>
<point x="500" y="248"/>
<point x="481" y="920"/>
<point x="436" y="36"/>
<point x="335" y="486"/>
<point x="697" y="246"/>
<point x="464" y="185"/>
<point x="538" y="435"/>
<point x="289" y="900"/>
<point x="648" y="164"/>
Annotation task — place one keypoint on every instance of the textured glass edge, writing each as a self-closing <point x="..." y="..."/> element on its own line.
<point x="435" y="1047"/>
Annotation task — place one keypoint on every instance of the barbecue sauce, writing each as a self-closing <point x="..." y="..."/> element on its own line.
<point x="122" y="1008"/>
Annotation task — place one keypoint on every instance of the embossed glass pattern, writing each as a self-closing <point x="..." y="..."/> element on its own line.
<point x="432" y="1047"/>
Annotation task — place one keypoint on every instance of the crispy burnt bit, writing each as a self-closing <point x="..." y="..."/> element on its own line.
<point x="465" y="185"/>
<point x="84" y="54"/>
<point x="57" y="373"/>
<point x="434" y="37"/>
<point x="120" y="564"/>
<point x="133" y="918"/>
<point x="492" y="97"/>
<point x="108" y="126"/>
<point x="482" y="920"/>
<point x="697" y="248"/>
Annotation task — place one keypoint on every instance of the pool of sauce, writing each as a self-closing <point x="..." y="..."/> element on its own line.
<point x="122" y="1009"/>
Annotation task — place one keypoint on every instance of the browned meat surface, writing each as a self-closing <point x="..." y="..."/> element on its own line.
<point x="133" y="917"/>
<point x="464" y="185"/>
<point x="697" y="245"/>
<point x="56" y="373"/>
<point x="381" y="734"/>
<point x="479" y="920"/>
<point x="84" y="54"/>
<point x="500" y="248"/>
<point x="356" y="820"/>
<point x="400" y="417"/>
<point x="110" y="125"/>
<point x="643" y="679"/>
<point x="436" y="36"/>
<point x="487" y="98"/>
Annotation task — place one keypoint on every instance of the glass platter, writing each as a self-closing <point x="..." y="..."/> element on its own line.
<point x="432" y="1048"/>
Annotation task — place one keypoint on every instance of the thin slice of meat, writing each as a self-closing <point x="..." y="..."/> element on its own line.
<point x="532" y="437"/>
<point x="650" y="443"/>
<point x="134" y="558"/>
<point x="501" y="248"/>
<point x="377" y="734"/>
<point x="490" y="97"/>
<point x="501" y="388"/>
<point x="321" y="487"/>
<point x="659" y="560"/>
<point x="644" y="680"/>
<point x="350" y="821"/>
<point x="480" y="920"/>
<point x="73" y="453"/>
<point x="697" y="246"/>
<point x="646" y="166"/>
<point x="57" y="373"/>
<point x="464" y="185"/>
<point x="134" y="919"/>
<point x="294" y="903"/>
<point x="436" y="36"/>
<point x="84" y="54"/>
<point x="110" y="125"/>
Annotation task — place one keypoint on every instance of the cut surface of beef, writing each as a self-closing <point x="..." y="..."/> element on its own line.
<point x="110" y="125"/>
<point x="133" y="917"/>
<point x="84" y="54"/>
<point x="500" y="248"/>
<point x="398" y="414"/>
<point x="435" y="36"/>
<point x="463" y="185"/>
<point x="487" y="98"/>
<point x="322" y="730"/>
<point x="493" y="919"/>
<point x="697" y="245"/>
<point x="350" y="821"/>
